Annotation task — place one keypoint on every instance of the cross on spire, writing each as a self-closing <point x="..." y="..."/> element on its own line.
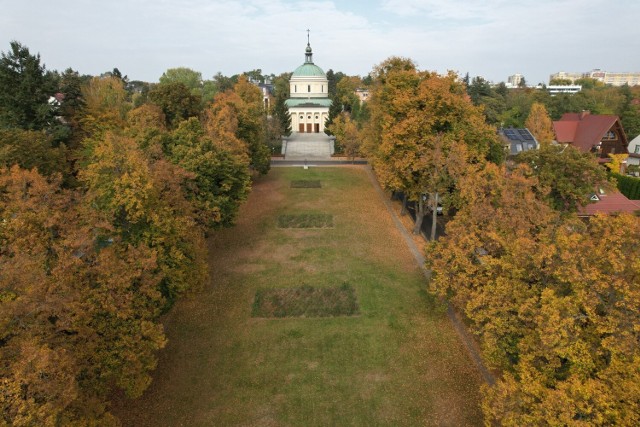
<point x="308" y="31"/>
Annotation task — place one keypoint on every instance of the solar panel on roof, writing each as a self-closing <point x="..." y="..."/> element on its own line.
<point x="509" y="133"/>
<point x="524" y="133"/>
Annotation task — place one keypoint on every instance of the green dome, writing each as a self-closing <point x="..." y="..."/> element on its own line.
<point x="308" y="69"/>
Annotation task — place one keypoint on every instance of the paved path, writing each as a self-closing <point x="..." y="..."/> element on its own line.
<point x="460" y="328"/>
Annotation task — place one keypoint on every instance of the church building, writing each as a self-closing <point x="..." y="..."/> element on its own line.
<point x="309" y="102"/>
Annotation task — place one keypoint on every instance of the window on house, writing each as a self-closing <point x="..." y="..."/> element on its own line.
<point x="295" y="88"/>
<point x="610" y="135"/>
<point x="309" y="88"/>
<point x="637" y="149"/>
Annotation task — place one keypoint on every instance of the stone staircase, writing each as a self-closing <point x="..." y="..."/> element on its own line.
<point x="308" y="146"/>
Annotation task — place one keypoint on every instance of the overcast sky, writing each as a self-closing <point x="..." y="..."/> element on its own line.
<point x="490" y="38"/>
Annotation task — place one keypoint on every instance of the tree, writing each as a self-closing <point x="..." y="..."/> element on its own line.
<point x="280" y="110"/>
<point x="223" y="83"/>
<point x="178" y="103"/>
<point x="72" y="331"/>
<point x="105" y="106"/>
<point x="540" y="124"/>
<point x="32" y="149"/>
<point x="347" y="135"/>
<point x="577" y="359"/>
<point x="617" y="160"/>
<point x="188" y="77"/>
<point x="420" y="121"/>
<point x="566" y="176"/>
<point x="561" y="82"/>
<point x="245" y="105"/>
<point x="220" y="180"/>
<point x="25" y="88"/>
<point x="481" y="266"/>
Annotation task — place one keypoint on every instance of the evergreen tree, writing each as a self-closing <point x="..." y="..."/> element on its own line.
<point x="25" y="88"/>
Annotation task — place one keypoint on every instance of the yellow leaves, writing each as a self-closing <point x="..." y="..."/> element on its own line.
<point x="539" y="124"/>
<point x="615" y="165"/>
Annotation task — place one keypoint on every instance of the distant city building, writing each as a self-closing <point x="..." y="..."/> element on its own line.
<point x="565" y="76"/>
<point x="309" y="100"/>
<point x="514" y="80"/>
<point x="606" y="77"/>
<point x="570" y="89"/>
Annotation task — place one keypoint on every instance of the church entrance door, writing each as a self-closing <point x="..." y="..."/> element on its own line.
<point x="317" y="128"/>
<point x="301" y="128"/>
<point x="309" y="127"/>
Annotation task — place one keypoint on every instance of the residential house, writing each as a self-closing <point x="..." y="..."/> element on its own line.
<point x="609" y="203"/>
<point x="634" y="152"/>
<point x="518" y="140"/>
<point x="592" y="133"/>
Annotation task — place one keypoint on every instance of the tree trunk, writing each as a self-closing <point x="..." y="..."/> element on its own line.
<point x="419" y="216"/>
<point x="404" y="205"/>
<point x="435" y="215"/>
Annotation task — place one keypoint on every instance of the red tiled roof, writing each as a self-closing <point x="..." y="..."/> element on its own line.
<point x="589" y="130"/>
<point x="565" y="131"/>
<point x="613" y="202"/>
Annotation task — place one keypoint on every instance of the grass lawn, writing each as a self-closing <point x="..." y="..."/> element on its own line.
<point x="397" y="362"/>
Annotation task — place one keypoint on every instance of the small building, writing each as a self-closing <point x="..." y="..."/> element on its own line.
<point x="592" y="133"/>
<point x="518" y="140"/>
<point x="309" y="102"/>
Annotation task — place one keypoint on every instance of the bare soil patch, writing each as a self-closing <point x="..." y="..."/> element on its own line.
<point x="306" y="184"/>
<point x="305" y="220"/>
<point x="306" y="301"/>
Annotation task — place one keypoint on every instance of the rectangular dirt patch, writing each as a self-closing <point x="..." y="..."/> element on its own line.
<point x="306" y="184"/>
<point x="307" y="220"/>
<point x="305" y="301"/>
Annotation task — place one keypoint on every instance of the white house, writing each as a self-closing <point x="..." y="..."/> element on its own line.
<point x="634" y="151"/>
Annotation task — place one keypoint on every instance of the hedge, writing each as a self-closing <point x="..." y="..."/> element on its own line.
<point x="628" y="185"/>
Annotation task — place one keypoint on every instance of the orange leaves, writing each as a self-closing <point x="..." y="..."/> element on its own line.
<point x="555" y="302"/>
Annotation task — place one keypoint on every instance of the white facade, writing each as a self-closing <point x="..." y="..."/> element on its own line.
<point x="310" y="119"/>
<point x="514" y="80"/>
<point x="634" y="151"/>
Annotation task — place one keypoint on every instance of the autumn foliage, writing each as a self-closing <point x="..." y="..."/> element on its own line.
<point x="100" y="238"/>
<point x="553" y="300"/>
